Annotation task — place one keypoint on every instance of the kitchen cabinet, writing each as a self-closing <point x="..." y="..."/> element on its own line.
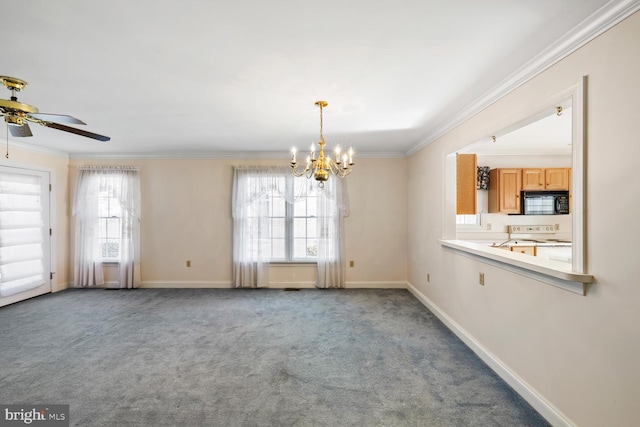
<point x="504" y="190"/>
<point x="528" y="250"/>
<point x="533" y="179"/>
<point x="545" y="179"/>
<point x="557" y="178"/>
<point x="466" y="184"/>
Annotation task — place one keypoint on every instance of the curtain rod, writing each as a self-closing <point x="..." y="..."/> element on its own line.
<point x="135" y="168"/>
<point x="261" y="167"/>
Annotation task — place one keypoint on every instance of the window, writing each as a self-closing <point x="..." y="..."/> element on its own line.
<point x="292" y="228"/>
<point x="109" y="226"/>
<point x="468" y="219"/>
<point x="280" y="218"/>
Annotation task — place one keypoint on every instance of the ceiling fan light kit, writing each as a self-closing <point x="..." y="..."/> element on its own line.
<point x="320" y="167"/>
<point x="17" y="115"/>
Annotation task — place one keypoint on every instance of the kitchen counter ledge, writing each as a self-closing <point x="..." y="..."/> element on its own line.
<point x="552" y="272"/>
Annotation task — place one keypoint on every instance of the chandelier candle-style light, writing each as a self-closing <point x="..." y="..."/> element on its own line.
<point x="319" y="167"/>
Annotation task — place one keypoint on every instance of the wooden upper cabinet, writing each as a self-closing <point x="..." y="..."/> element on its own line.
<point x="533" y="179"/>
<point x="504" y="190"/>
<point x="557" y="178"/>
<point x="466" y="182"/>
<point x="545" y="179"/>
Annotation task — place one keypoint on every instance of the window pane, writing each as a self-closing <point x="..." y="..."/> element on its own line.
<point x="311" y="206"/>
<point x="103" y="207"/>
<point x="113" y="227"/>
<point x="312" y="229"/>
<point x="278" y="249"/>
<point x="300" y="208"/>
<point x="468" y="219"/>
<point x="312" y="248"/>
<point x="277" y="230"/>
<point x="278" y="207"/>
<point x="114" y="208"/>
<point x="113" y="248"/>
<point x="299" y="248"/>
<point x="300" y="227"/>
<point x="299" y="186"/>
<point x="102" y="228"/>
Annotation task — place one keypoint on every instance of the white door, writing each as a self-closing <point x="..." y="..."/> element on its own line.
<point x="25" y="242"/>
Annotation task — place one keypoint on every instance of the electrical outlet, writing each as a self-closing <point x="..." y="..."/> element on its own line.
<point x="481" y="279"/>
<point x="489" y="226"/>
<point x="428" y="277"/>
<point x="188" y="263"/>
<point x="351" y="263"/>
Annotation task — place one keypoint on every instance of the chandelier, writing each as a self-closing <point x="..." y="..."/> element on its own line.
<point x="320" y="167"/>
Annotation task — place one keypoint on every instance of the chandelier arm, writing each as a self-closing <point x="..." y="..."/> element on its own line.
<point x="296" y="172"/>
<point x="346" y="172"/>
<point x="332" y="166"/>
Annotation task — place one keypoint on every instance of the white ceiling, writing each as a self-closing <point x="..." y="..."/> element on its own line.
<point x="222" y="77"/>
<point x="546" y="134"/>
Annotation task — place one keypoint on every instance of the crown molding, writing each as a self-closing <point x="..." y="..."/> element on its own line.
<point x="222" y="155"/>
<point x="37" y="149"/>
<point x="597" y="23"/>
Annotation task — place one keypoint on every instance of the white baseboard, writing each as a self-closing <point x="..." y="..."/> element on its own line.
<point x="185" y="284"/>
<point x="535" y="399"/>
<point x="376" y="285"/>
<point x="272" y="285"/>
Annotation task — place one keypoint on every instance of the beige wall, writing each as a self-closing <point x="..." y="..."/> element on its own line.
<point x="186" y="215"/>
<point x="579" y="353"/>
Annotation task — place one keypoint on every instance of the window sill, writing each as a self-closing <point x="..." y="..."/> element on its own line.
<point x="551" y="272"/>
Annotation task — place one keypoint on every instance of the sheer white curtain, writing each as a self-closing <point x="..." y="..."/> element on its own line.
<point x="252" y="231"/>
<point x="251" y="228"/>
<point x="123" y="185"/>
<point x="333" y="206"/>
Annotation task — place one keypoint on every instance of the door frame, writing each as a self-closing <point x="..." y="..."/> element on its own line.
<point x="49" y="214"/>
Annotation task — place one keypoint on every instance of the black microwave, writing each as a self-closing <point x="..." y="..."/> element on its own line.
<point x="544" y="202"/>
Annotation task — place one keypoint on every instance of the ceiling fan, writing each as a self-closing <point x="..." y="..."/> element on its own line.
<point x="17" y="115"/>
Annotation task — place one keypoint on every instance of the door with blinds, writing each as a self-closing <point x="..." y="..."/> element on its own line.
<point x="24" y="234"/>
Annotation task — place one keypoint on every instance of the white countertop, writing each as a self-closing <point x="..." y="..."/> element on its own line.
<point x="520" y="242"/>
<point x="538" y="265"/>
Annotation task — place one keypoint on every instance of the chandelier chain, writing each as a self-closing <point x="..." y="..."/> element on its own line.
<point x="321" y="135"/>
<point x="7" y="155"/>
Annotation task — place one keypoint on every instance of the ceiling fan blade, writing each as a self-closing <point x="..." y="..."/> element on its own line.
<point x="57" y="118"/>
<point x="20" y="131"/>
<point x="76" y="131"/>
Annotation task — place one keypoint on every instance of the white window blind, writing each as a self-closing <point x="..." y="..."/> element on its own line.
<point x="21" y="233"/>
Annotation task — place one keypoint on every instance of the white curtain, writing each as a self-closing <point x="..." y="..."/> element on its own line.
<point x="123" y="184"/>
<point x="251" y="229"/>
<point x="333" y="206"/>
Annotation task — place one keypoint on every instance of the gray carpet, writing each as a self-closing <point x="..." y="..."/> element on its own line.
<point x="204" y="357"/>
